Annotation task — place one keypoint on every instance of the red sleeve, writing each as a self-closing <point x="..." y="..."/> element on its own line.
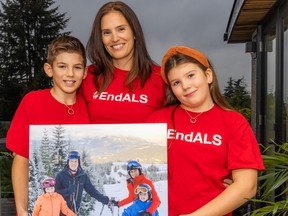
<point x="155" y="199"/>
<point x="17" y="139"/>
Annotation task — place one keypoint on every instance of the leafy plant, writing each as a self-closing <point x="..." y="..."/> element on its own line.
<point x="273" y="182"/>
<point x="5" y="176"/>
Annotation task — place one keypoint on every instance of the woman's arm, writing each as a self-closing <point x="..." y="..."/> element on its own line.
<point x="244" y="186"/>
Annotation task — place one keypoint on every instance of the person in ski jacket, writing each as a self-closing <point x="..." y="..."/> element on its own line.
<point x="50" y="202"/>
<point x="142" y="203"/>
<point x="137" y="177"/>
<point x="72" y="181"/>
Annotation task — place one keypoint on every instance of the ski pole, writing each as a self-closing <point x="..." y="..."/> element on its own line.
<point x="102" y="209"/>
<point x="74" y="203"/>
<point x="111" y="206"/>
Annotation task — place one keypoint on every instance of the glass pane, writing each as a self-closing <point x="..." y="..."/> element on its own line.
<point x="285" y="93"/>
<point x="270" y="94"/>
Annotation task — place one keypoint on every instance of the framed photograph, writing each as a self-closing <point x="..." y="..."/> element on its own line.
<point x="98" y="169"/>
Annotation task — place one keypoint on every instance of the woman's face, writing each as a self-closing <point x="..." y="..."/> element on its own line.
<point x="117" y="37"/>
<point x="190" y="84"/>
<point x="134" y="173"/>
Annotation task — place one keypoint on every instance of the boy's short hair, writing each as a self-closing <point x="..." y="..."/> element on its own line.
<point x="62" y="44"/>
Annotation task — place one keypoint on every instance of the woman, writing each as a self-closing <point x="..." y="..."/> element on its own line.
<point x="207" y="140"/>
<point x="123" y="84"/>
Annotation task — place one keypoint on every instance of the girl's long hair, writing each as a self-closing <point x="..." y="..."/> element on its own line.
<point x="97" y="54"/>
<point x="215" y="92"/>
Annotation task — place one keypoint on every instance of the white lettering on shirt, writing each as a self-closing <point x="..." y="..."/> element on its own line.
<point x="198" y="137"/>
<point x="133" y="98"/>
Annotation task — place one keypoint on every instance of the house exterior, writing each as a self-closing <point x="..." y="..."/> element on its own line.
<point x="262" y="26"/>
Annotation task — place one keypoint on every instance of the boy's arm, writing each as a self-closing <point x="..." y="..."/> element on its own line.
<point x="20" y="168"/>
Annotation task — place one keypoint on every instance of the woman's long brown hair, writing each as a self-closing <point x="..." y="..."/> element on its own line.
<point x="97" y="54"/>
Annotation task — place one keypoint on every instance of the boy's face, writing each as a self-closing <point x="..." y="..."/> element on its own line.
<point x="67" y="72"/>
<point x="143" y="196"/>
<point x="134" y="173"/>
<point x="50" y="189"/>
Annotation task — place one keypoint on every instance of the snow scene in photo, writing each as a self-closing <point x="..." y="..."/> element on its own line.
<point x="104" y="151"/>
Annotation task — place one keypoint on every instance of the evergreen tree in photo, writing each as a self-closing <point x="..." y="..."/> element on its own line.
<point x="45" y="152"/>
<point x="26" y="29"/>
<point x="36" y="174"/>
<point x="59" y="148"/>
<point x="88" y="202"/>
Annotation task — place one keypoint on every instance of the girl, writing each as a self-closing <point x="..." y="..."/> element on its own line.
<point x="51" y="202"/>
<point x="207" y="140"/>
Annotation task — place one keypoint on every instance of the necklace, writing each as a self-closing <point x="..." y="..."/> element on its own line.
<point x="193" y="119"/>
<point x="70" y="109"/>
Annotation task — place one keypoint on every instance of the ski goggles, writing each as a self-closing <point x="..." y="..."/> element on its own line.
<point x="133" y="165"/>
<point x="48" y="183"/>
<point x="141" y="190"/>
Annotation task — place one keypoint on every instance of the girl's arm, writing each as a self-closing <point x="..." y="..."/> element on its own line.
<point x="20" y="168"/>
<point x="244" y="187"/>
<point x="64" y="208"/>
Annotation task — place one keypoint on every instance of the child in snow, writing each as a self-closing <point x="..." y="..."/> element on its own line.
<point x="143" y="202"/>
<point x="51" y="202"/>
<point x="137" y="177"/>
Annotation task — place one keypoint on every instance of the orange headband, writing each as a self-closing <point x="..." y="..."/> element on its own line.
<point x="199" y="56"/>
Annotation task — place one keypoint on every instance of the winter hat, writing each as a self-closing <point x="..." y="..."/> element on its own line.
<point x="143" y="188"/>
<point x="199" y="56"/>
<point x="134" y="165"/>
<point x="74" y="155"/>
<point x="48" y="182"/>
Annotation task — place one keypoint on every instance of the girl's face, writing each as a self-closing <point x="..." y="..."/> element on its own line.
<point x="143" y="196"/>
<point x="50" y="189"/>
<point x="134" y="173"/>
<point x="190" y="84"/>
<point x="117" y="37"/>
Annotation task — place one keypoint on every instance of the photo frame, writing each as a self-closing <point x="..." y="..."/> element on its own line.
<point x="104" y="152"/>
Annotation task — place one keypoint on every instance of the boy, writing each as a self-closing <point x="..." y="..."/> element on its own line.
<point x="51" y="202"/>
<point x="66" y="65"/>
<point x="143" y="202"/>
<point x="137" y="177"/>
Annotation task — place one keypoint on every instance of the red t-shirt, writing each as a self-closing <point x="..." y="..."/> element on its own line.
<point x="202" y="154"/>
<point x="41" y="108"/>
<point x="132" y="185"/>
<point x="117" y="105"/>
